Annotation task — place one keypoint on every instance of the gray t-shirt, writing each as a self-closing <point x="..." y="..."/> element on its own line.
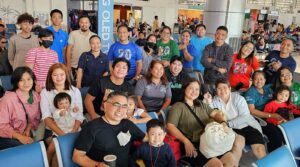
<point x="153" y="96"/>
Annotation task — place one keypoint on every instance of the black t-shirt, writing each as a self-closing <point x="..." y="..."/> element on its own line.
<point x="98" y="138"/>
<point x="176" y="83"/>
<point x="101" y="85"/>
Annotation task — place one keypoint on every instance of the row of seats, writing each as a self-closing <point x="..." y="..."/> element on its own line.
<point x="35" y="155"/>
<point x="289" y="154"/>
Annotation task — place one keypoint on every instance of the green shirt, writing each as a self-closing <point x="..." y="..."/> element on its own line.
<point x="170" y="49"/>
<point x="183" y="119"/>
<point x="295" y="88"/>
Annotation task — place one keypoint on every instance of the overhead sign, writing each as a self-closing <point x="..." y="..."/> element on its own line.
<point x="105" y="23"/>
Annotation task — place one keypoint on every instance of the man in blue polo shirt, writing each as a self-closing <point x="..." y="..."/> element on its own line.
<point x="60" y="37"/>
<point x="128" y="50"/>
<point x="200" y="41"/>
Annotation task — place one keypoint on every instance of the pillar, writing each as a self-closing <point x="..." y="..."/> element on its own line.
<point x="105" y="23"/>
<point x="229" y="13"/>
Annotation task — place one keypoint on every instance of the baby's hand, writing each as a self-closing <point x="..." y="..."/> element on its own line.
<point x="207" y="98"/>
<point x="75" y="109"/>
<point x="62" y="112"/>
<point x="281" y="121"/>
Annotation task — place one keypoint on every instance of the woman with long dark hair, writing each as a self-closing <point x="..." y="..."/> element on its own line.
<point x="243" y="65"/>
<point x="19" y="110"/>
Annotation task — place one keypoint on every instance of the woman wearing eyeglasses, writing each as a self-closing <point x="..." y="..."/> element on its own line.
<point x="285" y="77"/>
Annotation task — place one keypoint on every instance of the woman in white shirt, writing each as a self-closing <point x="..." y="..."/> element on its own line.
<point x="237" y="113"/>
<point x="58" y="80"/>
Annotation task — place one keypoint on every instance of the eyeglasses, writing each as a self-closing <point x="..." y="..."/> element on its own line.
<point x="118" y="105"/>
<point x="286" y="75"/>
<point x="4" y="42"/>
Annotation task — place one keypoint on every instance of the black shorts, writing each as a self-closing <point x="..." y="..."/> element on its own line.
<point x="198" y="161"/>
<point x="251" y="135"/>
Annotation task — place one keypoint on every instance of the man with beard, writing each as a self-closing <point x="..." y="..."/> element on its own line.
<point x="78" y="43"/>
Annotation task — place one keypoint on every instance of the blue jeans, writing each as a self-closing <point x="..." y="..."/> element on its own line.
<point x="8" y="143"/>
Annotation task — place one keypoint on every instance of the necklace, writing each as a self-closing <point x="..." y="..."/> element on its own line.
<point x="153" y="164"/>
<point x="105" y="119"/>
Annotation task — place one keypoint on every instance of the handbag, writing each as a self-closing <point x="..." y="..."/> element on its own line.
<point x="216" y="140"/>
<point x="174" y="144"/>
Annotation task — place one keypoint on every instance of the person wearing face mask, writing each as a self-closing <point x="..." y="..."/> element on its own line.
<point x="149" y="52"/>
<point x="40" y="59"/>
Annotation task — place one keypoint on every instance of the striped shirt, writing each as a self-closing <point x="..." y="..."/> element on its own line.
<point x="41" y="60"/>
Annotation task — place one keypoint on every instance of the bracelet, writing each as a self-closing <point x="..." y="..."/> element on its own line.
<point x="269" y="115"/>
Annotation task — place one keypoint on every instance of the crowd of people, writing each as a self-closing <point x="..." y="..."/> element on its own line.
<point x="63" y="83"/>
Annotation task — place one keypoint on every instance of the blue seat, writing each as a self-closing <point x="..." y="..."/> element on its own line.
<point x="5" y="82"/>
<point x="64" y="146"/>
<point x="143" y="128"/>
<point x="33" y="155"/>
<point x="290" y="131"/>
<point x="281" y="157"/>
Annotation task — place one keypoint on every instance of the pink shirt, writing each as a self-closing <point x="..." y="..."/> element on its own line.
<point x="12" y="115"/>
<point x="41" y="60"/>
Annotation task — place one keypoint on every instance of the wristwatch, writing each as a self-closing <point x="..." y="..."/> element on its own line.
<point x="269" y="115"/>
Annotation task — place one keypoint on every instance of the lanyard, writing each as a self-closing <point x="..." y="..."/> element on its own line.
<point x="153" y="164"/>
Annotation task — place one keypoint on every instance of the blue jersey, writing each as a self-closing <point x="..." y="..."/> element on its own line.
<point x="129" y="51"/>
<point x="199" y="44"/>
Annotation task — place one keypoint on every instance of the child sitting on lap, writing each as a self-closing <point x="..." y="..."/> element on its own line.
<point x="64" y="117"/>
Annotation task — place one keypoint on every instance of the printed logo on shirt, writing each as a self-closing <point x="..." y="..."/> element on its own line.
<point x="175" y="85"/>
<point x="125" y="53"/>
<point x="248" y="98"/>
<point x="239" y="68"/>
<point x="294" y="97"/>
<point x="166" y="50"/>
<point x="163" y="90"/>
<point x="272" y="61"/>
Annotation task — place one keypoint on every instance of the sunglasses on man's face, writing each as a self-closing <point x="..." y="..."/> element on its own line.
<point x="3" y="42"/>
